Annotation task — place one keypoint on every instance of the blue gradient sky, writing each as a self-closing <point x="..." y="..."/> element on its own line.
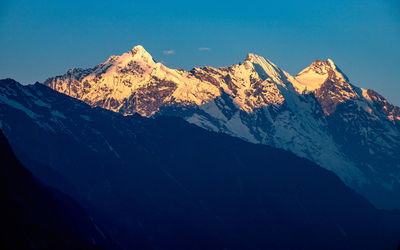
<point x="40" y="39"/>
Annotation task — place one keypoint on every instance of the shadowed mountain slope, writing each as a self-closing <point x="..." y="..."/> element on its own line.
<point x="166" y="184"/>
<point x="34" y="216"/>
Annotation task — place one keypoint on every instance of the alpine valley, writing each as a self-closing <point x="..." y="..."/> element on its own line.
<point x="317" y="114"/>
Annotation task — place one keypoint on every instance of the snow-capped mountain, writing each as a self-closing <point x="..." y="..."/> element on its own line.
<point x="317" y="114"/>
<point x="163" y="183"/>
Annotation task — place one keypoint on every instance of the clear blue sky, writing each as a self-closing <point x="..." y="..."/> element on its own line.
<point x="40" y="39"/>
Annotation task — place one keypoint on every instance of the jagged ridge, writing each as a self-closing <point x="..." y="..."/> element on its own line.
<point x="165" y="184"/>
<point x="317" y="114"/>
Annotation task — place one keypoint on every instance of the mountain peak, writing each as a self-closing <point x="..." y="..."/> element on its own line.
<point x="263" y="62"/>
<point x="137" y="48"/>
<point x="318" y="72"/>
<point x="253" y="57"/>
<point x="265" y="68"/>
<point x="328" y="63"/>
<point x="140" y="52"/>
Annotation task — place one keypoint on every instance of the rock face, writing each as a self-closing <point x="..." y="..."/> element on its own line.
<point x="134" y="83"/>
<point x="317" y="114"/>
<point x="328" y="84"/>
<point x="163" y="183"/>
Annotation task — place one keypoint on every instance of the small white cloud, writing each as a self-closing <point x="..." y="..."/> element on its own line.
<point x="204" y="49"/>
<point x="168" y="52"/>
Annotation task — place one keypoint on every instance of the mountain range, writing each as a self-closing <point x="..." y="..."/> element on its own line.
<point x="317" y="114"/>
<point x="162" y="183"/>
